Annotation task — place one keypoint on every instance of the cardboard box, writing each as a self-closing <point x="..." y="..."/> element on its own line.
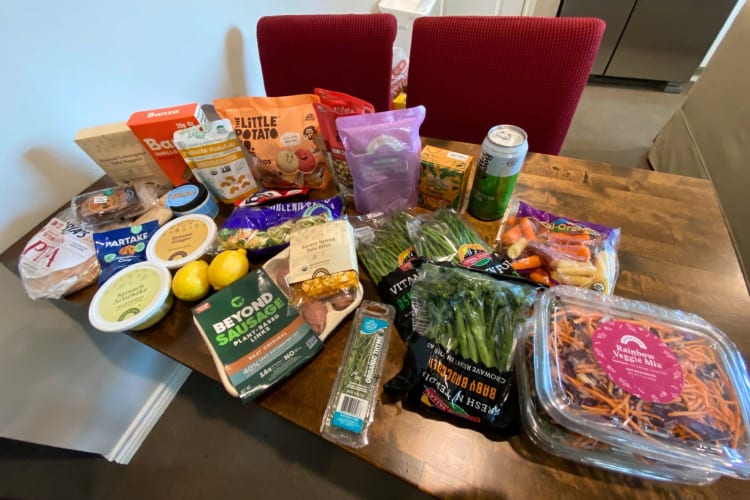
<point x="155" y="128"/>
<point x="444" y="178"/>
<point x="120" y="154"/>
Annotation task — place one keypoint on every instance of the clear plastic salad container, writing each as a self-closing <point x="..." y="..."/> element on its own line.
<point x="658" y="382"/>
<point x="559" y="441"/>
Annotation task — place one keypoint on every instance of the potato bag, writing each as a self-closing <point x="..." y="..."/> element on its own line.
<point x="279" y="132"/>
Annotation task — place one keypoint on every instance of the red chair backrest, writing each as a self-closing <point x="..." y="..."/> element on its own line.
<point x="348" y="53"/>
<point x="473" y="72"/>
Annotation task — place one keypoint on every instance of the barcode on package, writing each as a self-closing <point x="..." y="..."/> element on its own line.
<point x="350" y="413"/>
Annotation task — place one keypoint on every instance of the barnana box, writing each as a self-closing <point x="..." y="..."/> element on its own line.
<point x="120" y="154"/>
<point x="443" y="178"/>
<point x="155" y="129"/>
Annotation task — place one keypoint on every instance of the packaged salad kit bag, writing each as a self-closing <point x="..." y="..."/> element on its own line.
<point x="265" y="230"/>
<point x="458" y="366"/>
<point x="383" y="152"/>
<point x="555" y="250"/>
<point x="279" y="132"/>
<point x="658" y="382"/>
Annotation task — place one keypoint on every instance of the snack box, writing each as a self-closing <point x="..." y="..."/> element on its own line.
<point x="155" y="129"/>
<point x="443" y="178"/>
<point x="120" y="154"/>
<point x="661" y="383"/>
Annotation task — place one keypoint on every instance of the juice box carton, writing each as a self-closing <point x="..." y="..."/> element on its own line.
<point x="155" y="129"/>
<point x="443" y="178"/>
<point x="120" y="154"/>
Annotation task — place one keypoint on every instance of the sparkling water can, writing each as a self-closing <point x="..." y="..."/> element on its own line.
<point x="503" y="152"/>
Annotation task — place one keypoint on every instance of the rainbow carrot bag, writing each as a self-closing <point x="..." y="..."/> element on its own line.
<point x="279" y="132"/>
<point x="555" y="250"/>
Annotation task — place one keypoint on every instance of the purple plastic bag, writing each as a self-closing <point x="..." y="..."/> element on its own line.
<point x="383" y="152"/>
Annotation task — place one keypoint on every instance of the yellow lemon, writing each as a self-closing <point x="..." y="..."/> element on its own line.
<point x="190" y="282"/>
<point x="228" y="267"/>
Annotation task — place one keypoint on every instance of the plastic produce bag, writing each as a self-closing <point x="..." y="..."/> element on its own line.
<point x="383" y="152"/>
<point x="553" y="250"/>
<point x="459" y="365"/>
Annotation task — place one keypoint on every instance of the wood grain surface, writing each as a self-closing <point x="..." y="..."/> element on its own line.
<point x="675" y="251"/>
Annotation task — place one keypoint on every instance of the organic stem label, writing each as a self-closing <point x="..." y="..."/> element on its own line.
<point x="638" y="361"/>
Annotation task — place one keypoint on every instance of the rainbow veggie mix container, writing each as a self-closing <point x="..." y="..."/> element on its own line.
<point x="657" y="382"/>
<point x="556" y="440"/>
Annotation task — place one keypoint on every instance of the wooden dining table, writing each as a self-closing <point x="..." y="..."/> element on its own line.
<point x="675" y="250"/>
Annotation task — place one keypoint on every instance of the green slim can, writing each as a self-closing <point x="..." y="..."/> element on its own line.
<point x="503" y="152"/>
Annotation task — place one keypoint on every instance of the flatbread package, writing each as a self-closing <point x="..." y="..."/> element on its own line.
<point x="279" y="133"/>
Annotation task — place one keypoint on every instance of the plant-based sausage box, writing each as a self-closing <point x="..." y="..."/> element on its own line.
<point x="443" y="178"/>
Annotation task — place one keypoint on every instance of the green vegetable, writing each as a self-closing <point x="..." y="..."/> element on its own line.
<point x="470" y="313"/>
<point x="381" y="244"/>
<point x="439" y="236"/>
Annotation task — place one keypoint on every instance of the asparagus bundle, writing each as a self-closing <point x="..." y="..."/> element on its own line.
<point x="469" y="313"/>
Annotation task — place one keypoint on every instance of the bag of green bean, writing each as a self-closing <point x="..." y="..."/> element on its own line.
<point x="458" y="366"/>
<point x="384" y="249"/>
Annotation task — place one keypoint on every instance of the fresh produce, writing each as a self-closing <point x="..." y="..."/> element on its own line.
<point x="469" y="313"/>
<point x="440" y="236"/>
<point x="383" y="244"/>
<point x="191" y="281"/>
<point x="228" y="267"/>
<point x="351" y="405"/>
<point x="552" y="250"/>
<point x="707" y="411"/>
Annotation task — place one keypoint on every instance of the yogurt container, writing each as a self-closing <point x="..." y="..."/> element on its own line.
<point x="192" y="199"/>
<point x="134" y="298"/>
<point x="182" y="240"/>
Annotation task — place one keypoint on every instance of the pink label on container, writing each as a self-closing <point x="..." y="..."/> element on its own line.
<point x="638" y="361"/>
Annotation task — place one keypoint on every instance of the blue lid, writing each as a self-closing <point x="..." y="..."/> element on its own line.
<point x="186" y="197"/>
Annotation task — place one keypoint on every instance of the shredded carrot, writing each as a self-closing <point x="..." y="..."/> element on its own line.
<point x="707" y="400"/>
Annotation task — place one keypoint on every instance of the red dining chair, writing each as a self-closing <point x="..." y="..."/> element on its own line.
<point x="473" y="72"/>
<point x="348" y="53"/>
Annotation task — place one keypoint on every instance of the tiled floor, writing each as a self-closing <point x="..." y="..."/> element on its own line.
<point x="208" y="445"/>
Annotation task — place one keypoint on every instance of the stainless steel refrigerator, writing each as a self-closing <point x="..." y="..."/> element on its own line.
<point x="663" y="40"/>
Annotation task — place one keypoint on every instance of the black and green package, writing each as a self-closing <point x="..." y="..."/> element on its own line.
<point x="254" y="337"/>
<point x="458" y="366"/>
<point x="122" y="247"/>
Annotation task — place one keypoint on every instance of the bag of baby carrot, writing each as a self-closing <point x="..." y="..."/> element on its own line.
<point x="556" y="250"/>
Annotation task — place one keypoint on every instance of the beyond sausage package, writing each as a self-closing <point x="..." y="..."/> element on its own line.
<point x="279" y="132"/>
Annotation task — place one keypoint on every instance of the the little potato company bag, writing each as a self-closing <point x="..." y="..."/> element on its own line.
<point x="279" y="131"/>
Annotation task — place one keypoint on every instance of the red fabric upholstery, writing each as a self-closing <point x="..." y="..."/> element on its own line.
<point x="474" y="72"/>
<point x="348" y="53"/>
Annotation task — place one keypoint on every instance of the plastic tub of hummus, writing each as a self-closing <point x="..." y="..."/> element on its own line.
<point x="182" y="240"/>
<point x="133" y="299"/>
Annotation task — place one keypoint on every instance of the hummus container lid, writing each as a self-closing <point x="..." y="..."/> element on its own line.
<point x="132" y="299"/>
<point x="658" y="382"/>
<point x="182" y="240"/>
<point x="556" y="440"/>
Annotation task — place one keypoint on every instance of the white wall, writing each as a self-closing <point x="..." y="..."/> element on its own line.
<point x="69" y="65"/>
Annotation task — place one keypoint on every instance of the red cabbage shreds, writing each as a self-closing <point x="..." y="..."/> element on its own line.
<point x="265" y="230"/>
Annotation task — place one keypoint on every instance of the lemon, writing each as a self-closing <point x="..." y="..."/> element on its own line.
<point x="228" y="267"/>
<point x="190" y="282"/>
